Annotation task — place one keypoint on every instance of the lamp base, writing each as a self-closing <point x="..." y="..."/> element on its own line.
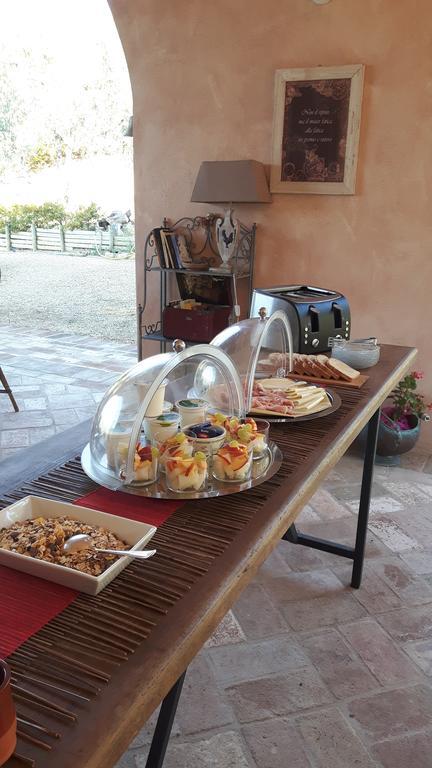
<point x="227" y="232"/>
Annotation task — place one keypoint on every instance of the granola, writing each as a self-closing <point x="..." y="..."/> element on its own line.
<point x="44" y="538"/>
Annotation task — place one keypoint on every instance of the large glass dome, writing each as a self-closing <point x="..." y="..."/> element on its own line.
<point x="259" y="348"/>
<point x="151" y="388"/>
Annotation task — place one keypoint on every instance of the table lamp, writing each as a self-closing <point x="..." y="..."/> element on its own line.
<point x="230" y="181"/>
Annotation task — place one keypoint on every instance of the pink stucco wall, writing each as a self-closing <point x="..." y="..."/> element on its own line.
<point x="202" y="78"/>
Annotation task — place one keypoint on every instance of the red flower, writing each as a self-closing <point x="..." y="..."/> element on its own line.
<point x="418" y="375"/>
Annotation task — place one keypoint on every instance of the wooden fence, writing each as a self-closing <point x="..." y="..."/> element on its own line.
<point x="66" y="241"/>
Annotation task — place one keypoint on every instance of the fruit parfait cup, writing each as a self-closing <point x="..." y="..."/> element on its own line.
<point x="250" y="432"/>
<point x="187" y="473"/>
<point x="206" y="437"/>
<point x="178" y="445"/>
<point x="217" y="419"/>
<point x="146" y="464"/>
<point x="233" y="462"/>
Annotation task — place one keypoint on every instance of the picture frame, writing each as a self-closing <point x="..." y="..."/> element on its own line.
<point x="316" y="129"/>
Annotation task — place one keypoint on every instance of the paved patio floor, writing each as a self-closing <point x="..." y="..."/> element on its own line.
<point x="57" y="380"/>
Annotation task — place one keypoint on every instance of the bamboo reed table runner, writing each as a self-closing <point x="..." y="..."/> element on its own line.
<point x="92" y="676"/>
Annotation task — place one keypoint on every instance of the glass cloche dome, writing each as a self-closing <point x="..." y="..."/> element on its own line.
<point x="147" y="393"/>
<point x="259" y="348"/>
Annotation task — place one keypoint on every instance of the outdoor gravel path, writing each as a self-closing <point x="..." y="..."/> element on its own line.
<point x="75" y="294"/>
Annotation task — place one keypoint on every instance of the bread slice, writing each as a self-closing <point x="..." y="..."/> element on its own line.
<point x="323" y="361"/>
<point x="345" y="371"/>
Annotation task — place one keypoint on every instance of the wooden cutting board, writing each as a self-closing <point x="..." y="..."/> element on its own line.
<point x="355" y="383"/>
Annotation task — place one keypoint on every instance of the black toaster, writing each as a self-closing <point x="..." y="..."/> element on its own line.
<point x="314" y="314"/>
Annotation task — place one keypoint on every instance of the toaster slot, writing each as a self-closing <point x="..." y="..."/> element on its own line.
<point x="314" y="319"/>
<point x="337" y="314"/>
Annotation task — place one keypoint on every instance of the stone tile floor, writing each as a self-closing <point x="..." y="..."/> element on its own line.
<point x="305" y="672"/>
<point x="57" y="380"/>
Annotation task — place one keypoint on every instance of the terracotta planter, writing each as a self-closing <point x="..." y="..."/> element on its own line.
<point x="7" y="715"/>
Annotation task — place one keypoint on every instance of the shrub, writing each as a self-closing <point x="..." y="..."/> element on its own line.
<point x="48" y="216"/>
<point x="85" y="217"/>
<point x="20" y="217"/>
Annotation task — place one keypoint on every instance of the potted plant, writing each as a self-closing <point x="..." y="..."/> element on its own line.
<point x="399" y="427"/>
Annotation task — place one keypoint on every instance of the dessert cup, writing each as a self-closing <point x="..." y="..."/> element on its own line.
<point x="233" y="462"/>
<point x="186" y="474"/>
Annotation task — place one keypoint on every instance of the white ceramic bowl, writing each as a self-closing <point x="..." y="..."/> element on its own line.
<point x="135" y="534"/>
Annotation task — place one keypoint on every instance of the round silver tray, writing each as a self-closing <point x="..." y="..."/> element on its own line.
<point x="334" y="398"/>
<point x="262" y="469"/>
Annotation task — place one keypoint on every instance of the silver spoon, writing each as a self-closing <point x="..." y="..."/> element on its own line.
<point x="81" y="542"/>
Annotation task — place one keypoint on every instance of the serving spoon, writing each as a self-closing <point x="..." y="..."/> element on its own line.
<point x="81" y="542"/>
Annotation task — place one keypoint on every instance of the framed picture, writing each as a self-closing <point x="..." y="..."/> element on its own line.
<point x="316" y="128"/>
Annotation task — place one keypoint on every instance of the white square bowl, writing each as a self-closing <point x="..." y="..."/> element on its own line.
<point x="134" y="533"/>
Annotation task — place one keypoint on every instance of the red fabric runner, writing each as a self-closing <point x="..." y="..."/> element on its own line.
<point x="27" y="603"/>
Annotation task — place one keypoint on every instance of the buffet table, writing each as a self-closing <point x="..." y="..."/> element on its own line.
<point x="92" y="676"/>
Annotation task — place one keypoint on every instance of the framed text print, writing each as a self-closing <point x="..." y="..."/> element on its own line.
<point x="316" y="128"/>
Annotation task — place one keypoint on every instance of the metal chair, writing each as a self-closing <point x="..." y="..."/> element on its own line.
<point x="7" y="390"/>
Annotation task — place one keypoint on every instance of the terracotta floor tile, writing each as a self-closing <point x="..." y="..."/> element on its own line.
<point x="338" y="665"/>
<point x="257" y="615"/>
<point x="202" y="706"/>
<point x="322" y="611"/>
<point x="380" y="654"/>
<point x="409" y="624"/>
<point x="333" y="742"/>
<point x="421" y="653"/>
<point x="406" y="752"/>
<point x="276" y="696"/>
<point x="411" y="589"/>
<point x="272" y="741"/>
<point x="223" y="750"/>
<point x="391" y="713"/>
<point x="246" y="661"/>
<point x="375" y="595"/>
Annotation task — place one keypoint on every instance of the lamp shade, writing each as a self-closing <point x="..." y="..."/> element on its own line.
<point x="231" y="181"/>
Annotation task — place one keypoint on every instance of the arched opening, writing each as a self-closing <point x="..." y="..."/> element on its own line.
<point x="67" y="239"/>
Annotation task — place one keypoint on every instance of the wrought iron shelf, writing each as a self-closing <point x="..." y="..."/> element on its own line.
<point x="211" y="272"/>
<point x="199" y="237"/>
<point x="158" y="336"/>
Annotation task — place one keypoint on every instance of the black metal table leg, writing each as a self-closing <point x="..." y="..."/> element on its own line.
<point x="164" y="725"/>
<point x="355" y="553"/>
<point x="365" y="495"/>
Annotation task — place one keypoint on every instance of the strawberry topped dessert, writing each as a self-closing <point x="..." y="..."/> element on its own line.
<point x="145" y="463"/>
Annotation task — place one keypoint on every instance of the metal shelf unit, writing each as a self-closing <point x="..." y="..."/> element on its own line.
<point x="200" y="240"/>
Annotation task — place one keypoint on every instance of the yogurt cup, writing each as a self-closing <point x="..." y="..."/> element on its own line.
<point x="206" y="437"/>
<point x="192" y="410"/>
<point x="113" y="441"/>
<point x="156" y="404"/>
<point x="162" y="427"/>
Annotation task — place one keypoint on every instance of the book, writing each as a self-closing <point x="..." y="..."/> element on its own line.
<point x="158" y="247"/>
<point x="169" y="261"/>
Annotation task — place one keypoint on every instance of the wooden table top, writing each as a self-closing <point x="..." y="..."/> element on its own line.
<point x="137" y="637"/>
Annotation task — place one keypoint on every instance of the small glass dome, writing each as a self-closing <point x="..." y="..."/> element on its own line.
<point x="153" y="388"/>
<point x="259" y="348"/>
